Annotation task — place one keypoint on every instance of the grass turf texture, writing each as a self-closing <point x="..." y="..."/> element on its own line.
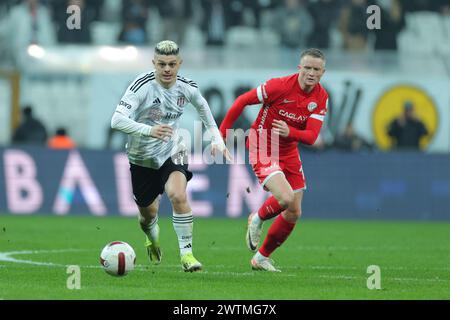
<point x="321" y="260"/>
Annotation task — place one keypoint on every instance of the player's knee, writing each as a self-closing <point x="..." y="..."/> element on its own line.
<point x="153" y="213"/>
<point x="147" y="214"/>
<point x="144" y="219"/>
<point x="287" y="200"/>
<point x="177" y="197"/>
<point x="297" y="213"/>
<point x="152" y="209"/>
<point x="293" y="215"/>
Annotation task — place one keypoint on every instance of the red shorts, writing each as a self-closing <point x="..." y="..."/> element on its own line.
<point x="290" y="166"/>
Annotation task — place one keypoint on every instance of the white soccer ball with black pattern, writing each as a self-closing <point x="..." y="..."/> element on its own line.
<point x="118" y="258"/>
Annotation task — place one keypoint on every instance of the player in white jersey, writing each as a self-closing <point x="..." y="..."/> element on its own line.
<point x="149" y="112"/>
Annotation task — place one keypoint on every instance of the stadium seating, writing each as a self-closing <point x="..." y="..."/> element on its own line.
<point x="249" y="37"/>
<point x="62" y="98"/>
<point x="241" y="36"/>
<point x="194" y="38"/>
<point x="5" y="96"/>
<point x="105" y="33"/>
<point x="419" y="26"/>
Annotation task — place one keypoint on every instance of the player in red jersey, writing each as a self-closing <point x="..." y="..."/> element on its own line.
<point x="293" y="111"/>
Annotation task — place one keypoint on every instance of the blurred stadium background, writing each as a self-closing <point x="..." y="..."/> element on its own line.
<point x="74" y="79"/>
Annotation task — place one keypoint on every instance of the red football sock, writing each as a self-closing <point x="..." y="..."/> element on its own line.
<point x="270" y="208"/>
<point x="278" y="232"/>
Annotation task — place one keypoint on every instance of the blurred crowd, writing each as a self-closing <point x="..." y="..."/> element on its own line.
<point x="293" y="23"/>
<point x="32" y="131"/>
<point x="405" y="131"/>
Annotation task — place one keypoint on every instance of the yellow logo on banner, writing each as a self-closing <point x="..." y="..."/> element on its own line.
<point x="390" y="106"/>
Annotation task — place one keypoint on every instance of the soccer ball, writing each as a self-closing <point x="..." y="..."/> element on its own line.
<point x="118" y="258"/>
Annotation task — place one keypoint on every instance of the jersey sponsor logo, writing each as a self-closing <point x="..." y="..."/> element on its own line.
<point x="126" y="105"/>
<point x="263" y="118"/>
<point x="292" y="116"/>
<point x="172" y="116"/>
<point x="181" y="101"/>
<point x="156" y="115"/>
<point x="312" y="106"/>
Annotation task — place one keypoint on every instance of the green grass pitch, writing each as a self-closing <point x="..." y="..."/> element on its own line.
<point x="322" y="259"/>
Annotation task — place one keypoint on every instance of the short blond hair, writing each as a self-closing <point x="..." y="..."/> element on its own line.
<point x="167" y="48"/>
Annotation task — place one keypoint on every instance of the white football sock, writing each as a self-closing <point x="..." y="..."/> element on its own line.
<point x="183" y="225"/>
<point x="151" y="230"/>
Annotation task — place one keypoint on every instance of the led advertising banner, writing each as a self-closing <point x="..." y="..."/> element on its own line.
<point x="339" y="185"/>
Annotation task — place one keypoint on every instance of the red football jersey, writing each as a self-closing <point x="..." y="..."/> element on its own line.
<point x="283" y="99"/>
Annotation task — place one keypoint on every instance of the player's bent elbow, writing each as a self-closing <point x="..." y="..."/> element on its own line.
<point x="115" y="120"/>
<point x="310" y="140"/>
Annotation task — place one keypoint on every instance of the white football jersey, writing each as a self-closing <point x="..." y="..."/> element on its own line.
<point x="145" y="104"/>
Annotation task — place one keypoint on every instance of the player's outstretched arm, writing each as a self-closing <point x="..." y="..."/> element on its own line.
<point x="121" y="119"/>
<point x="123" y="123"/>
<point x="217" y="145"/>
<point x="222" y="149"/>
<point x="204" y="111"/>
<point x="248" y="98"/>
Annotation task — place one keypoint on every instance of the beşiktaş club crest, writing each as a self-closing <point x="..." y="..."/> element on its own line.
<point x="181" y="101"/>
<point x="311" y="106"/>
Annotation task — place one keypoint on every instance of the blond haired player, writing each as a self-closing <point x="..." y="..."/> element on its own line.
<point x="149" y="112"/>
<point x="293" y="109"/>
